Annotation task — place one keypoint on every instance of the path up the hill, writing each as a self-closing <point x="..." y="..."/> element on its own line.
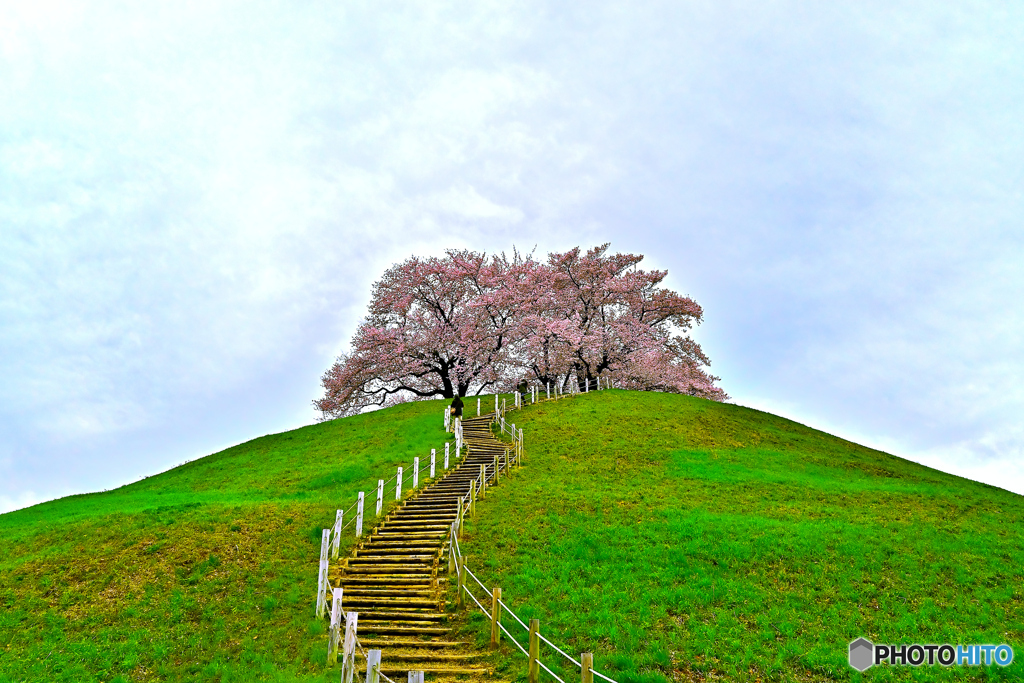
<point x="396" y="577"/>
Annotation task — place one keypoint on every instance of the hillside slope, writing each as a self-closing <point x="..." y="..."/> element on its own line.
<point x="205" y="572"/>
<point x="675" y="538"/>
<point x="683" y="539"/>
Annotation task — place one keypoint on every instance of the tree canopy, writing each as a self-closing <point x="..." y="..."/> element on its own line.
<point x="468" y="323"/>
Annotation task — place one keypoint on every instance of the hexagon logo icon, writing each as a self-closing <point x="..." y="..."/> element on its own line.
<point x="862" y="654"/>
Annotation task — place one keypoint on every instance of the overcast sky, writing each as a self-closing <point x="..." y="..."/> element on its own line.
<point x="195" y="198"/>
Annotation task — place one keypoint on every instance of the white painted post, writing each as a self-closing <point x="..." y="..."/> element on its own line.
<point x="433" y="459"/>
<point x="380" y="496"/>
<point x="373" y="666"/>
<point x="478" y="407"/>
<point x="359" y="515"/>
<point x="398" y="485"/>
<point x="321" y="584"/>
<point x="519" y="446"/>
<point x="547" y="386"/>
<point x="334" y="639"/>
<point x="348" y="668"/>
<point x="415" y="677"/>
<point x="447" y="417"/>
<point x="415" y="472"/>
<point x="495" y="404"/>
<point x="587" y="390"/>
<point x="445" y="457"/>
<point x="337" y="534"/>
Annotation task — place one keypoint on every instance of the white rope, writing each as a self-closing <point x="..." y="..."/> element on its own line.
<point x="512" y="638"/>
<point x="598" y="673"/>
<point x="513" y="615"/>
<point x="470" y="594"/>
<point x="557" y="649"/>
<point x="477" y="580"/>
<point x="458" y="550"/>
<point x="550" y="672"/>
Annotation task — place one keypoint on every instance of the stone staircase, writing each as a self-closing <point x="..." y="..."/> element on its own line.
<point x="396" y="578"/>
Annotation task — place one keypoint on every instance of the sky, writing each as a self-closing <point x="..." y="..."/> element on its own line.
<point x="196" y="197"/>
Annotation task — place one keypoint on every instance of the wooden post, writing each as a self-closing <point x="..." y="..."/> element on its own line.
<point x="547" y="385"/>
<point x="478" y="407"/>
<point x="462" y="580"/>
<point x="398" y="485"/>
<point x="321" y="583"/>
<point x="472" y="499"/>
<point x="534" y="673"/>
<point x="359" y="515"/>
<point x="519" y="456"/>
<point x="495" y="618"/>
<point x="483" y="482"/>
<point x="380" y="496"/>
<point x="334" y="639"/>
<point x="337" y="533"/>
<point x="446" y="449"/>
<point x="495" y="404"/>
<point x="496" y="470"/>
<point x="348" y="667"/>
<point x="415" y="472"/>
<point x="433" y="461"/>
<point x="415" y="677"/>
<point x="451" y="551"/>
<point x="587" y="660"/>
<point x="373" y="666"/>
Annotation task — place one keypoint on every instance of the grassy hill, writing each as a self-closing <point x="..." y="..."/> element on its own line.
<point x="684" y="539"/>
<point x="205" y="572"/>
<point x="675" y="538"/>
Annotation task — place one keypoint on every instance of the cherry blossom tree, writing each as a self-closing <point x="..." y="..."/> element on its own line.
<point x="468" y="323"/>
<point x="437" y="328"/>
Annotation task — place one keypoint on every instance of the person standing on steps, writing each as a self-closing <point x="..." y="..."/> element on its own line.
<point x="522" y="388"/>
<point x="456" y="409"/>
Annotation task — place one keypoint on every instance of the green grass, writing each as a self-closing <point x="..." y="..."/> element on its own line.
<point x="206" y="572"/>
<point x="682" y="539"/>
<point x="675" y="538"/>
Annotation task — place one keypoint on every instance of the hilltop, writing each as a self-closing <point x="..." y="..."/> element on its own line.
<point x="676" y="538"/>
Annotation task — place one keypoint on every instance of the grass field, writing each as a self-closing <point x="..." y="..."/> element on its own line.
<point x="206" y="572"/>
<point x="682" y="539"/>
<point x="675" y="538"/>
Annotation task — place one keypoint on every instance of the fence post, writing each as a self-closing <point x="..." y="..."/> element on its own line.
<point x="334" y="639"/>
<point x="373" y="666"/>
<point x="340" y="515"/>
<point x="359" y="515"/>
<point x="415" y="472"/>
<point x="483" y="482"/>
<point x="380" y="496"/>
<point x="462" y="580"/>
<point x="519" y="456"/>
<point x="433" y="460"/>
<point x="478" y="407"/>
<point x="495" y="404"/>
<point x="587" y="660"/>
<point x="547" y="385"/>
<point x="497" y="464"/>
<point x="398" y="485"/>
<point x="415" y="677"/>
<point x="348" y="667"/>
<point x="495" y="618"/>
<point x="321" y="583"/>
<point x="534" y="650"/>
<point x="451" y="552"/>
<point x="446" y="450"/>
<point x="472" y="499"/>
